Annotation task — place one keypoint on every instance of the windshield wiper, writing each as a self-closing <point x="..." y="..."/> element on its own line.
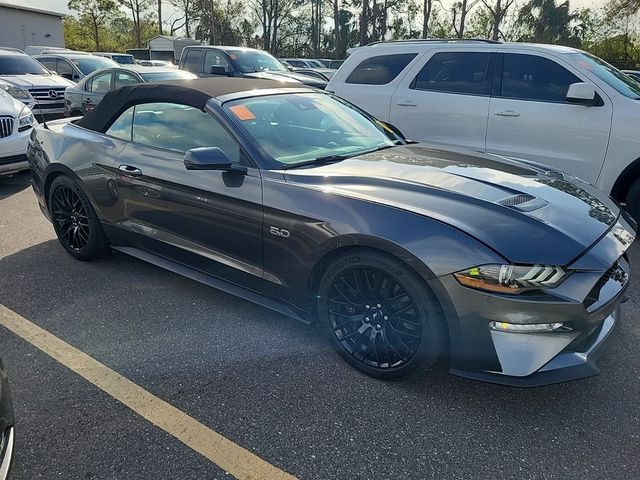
<point x="328" y="159"/>
<point x="318" y="161"/>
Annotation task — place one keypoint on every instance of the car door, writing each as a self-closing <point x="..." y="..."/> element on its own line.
<point x="444" y="99"/>
<point x="530" y="118"/>
<point x="372" y="82"/>
<point x="215" y="59"/>
<point x="95" y="89"/>
<point x="208" y="220"/>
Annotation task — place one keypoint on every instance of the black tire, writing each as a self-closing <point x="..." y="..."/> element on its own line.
<point x="75" y="221"/>
<point x="369" y="297"/>
<point x="633" y="201"/>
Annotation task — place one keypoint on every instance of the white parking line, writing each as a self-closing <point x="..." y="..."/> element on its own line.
<point x="229" y="456"/>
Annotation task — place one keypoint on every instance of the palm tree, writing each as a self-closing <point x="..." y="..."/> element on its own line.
<point x="548" y="22"/>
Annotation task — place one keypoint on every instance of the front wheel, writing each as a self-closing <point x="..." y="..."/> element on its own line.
<point x="380" y="316"/>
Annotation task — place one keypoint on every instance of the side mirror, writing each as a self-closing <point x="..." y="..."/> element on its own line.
<point x="210" y="158"/>
<point x="219" y="70"/>
<point x="582" y="93"/>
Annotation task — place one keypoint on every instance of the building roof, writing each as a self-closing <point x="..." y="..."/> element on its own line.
<point x="33" y="10"/>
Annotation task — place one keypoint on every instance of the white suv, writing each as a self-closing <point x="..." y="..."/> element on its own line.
<point x="28" y="81"/>
<point x="16" y="122"/>
<point x="552" y="105"/>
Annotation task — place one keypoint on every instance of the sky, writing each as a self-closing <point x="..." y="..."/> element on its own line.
<point x="61" y="5"/>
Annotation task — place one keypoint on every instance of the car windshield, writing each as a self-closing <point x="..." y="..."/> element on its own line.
<point x="299" y="128"/>
<point x="159" y="76"/>
<point x="88" y="64"/>
<point x="124" y="59"/>
<point x="609" y="74"/>
<point x="20" y="65"/>
<point x="249" y="61"/>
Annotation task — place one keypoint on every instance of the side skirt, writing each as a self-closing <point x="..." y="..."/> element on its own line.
<point x="212" y="282"/>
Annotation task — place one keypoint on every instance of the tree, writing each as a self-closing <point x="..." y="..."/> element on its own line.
<point x="138" y="8"/>
<point x="498" y="13"/>
<point x="463" y="8"/>
<point x="160" y="16"/>
<point x="96" y="13"/>
<point x="186" y="8"/>
<point x="427" y="6"/>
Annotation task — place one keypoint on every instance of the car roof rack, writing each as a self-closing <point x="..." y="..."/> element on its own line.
<point x="437" y="40"/>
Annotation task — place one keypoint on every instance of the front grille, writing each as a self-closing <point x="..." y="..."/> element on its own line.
<point x="13" y="159"/>
<point x="6" y="126"/>
<point x="45" y="94"/>
<point x="44" y="106"/>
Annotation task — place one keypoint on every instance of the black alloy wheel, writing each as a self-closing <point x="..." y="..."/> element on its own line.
<point x="71" y="218"/>
<point x="75" y="221"/>
<point x="382" y="318"/>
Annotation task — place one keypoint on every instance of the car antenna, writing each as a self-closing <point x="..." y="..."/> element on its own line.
<point x="44" y="121"/>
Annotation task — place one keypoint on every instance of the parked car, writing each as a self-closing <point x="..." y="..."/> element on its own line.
<point x="84" y="96"/>
<point x="635" y="74"/>
<point x="326" y="62"/>
<point x="303" y="62"/>
<point x="336" y="64"/>
<point x="119" y="58"/>
<point x="26" y="80"/>
<point x="553" y="105"/>
<point x="72" y="66"/>
<point x="156" y="63"/>
<point x="7" y="425"/>
<point x="324" y="74"/>
<point x="208" y="61"/>
<point x="16" y="122"/>
<point x="297" y="200"/>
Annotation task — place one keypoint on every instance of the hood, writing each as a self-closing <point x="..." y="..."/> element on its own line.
<point x="9" y="105"/>
<point x="527" y="215"/>
<point x="36" y="81"/>
<point x="289" y="77"/>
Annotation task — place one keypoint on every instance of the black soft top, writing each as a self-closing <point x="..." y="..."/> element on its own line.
<point x="194" y="93"/>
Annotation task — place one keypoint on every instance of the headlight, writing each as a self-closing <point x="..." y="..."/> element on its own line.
<point x="16" y="92"/>
<point x="511" y="279"/>
<point x="25" y="120"/>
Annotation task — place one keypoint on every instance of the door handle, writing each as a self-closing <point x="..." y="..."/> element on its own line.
<point x="130" y="171"/>
<point x="406" y="103"/>
<point x="88" y="100"/>
<point x="507" y="113"/>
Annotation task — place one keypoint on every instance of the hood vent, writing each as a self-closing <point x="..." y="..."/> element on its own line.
<point x="523" y="202"/>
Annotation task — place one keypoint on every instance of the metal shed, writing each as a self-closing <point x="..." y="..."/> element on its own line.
<point x="21" y="26"/>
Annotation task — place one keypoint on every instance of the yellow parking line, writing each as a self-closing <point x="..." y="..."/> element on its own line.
<point x="229" y="456"/>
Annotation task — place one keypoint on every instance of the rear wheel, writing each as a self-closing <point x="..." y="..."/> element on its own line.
<point x="75" y="221"/>
<point x="380" y="316"/>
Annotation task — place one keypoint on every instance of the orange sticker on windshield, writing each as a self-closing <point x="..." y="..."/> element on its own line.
<point x="242" y="112"/>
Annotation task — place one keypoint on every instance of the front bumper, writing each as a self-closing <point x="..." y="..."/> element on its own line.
<point x="13" y="151"/>
<point x="586" y="303"/>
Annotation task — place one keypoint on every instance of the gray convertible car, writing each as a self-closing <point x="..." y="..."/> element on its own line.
<point x="299" y="201"/>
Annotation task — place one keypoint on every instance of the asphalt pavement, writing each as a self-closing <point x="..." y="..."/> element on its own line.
<point x="272" y="385"/>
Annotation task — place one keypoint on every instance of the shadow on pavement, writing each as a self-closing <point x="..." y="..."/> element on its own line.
<point x="12" y="184"/>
